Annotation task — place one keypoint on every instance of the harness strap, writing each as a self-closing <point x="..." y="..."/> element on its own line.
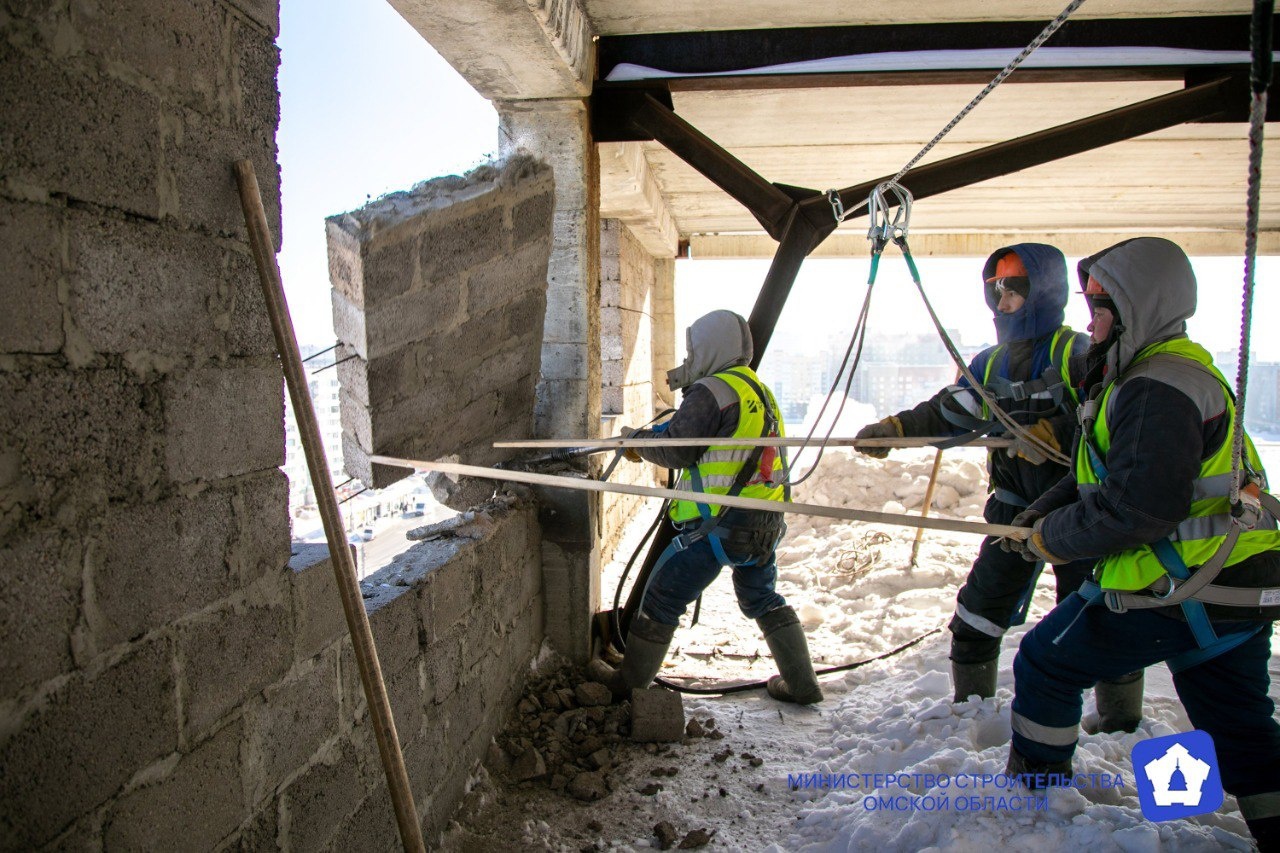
<point x="1007" y="497"/>
<point x="1024" y="604"/>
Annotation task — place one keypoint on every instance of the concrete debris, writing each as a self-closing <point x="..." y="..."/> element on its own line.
<point x="588" y="786"/>
<point x="591" y="694"/>
<point x="466" y="525"/>
<point x="657" y="716"/>
<point x="529" y="765"/>
<point x="694" y="728"/>
<point x="695" y="839"/>
<point x="666" y="834"/>
<point x="565" y="735"/>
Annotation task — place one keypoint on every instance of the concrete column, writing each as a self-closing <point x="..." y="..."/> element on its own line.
<point x="664" y="330"/>
<point x="568" y="395"/>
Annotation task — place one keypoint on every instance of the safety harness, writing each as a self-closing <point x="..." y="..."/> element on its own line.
<point x="1053" y="383"/>
<point x="1188" y="590"/>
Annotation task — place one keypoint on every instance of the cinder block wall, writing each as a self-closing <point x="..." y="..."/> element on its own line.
<point x="441" y="292"/>
<point x="143" y="521"/>
<point x="637" y="348"/>
<point x="167" y="679"/>
<point x="456" y="623"/>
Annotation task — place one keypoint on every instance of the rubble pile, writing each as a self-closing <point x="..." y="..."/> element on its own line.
<point x="566" y="735"/>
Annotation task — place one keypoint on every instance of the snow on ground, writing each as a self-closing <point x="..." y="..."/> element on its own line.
<point x="859" y="597"/>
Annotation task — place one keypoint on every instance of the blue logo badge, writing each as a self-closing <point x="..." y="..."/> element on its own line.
<point x="1177" y="775"/>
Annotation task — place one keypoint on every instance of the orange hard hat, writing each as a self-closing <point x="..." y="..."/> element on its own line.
<point x="1094" y="288"/>
<point x="1009" y="265"/>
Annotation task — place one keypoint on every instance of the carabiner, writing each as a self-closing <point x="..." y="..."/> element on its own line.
<point x="885" y="227"/>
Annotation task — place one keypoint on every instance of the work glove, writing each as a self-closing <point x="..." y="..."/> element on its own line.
<point x="1024" y="448"/>
<point x="1026" y="518"/>
<point x="889" y="427"/>
<point x="1033" y="549"/>
<point x="629" y="453"/>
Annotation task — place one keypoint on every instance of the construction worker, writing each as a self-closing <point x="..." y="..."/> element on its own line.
<point x="1028" y="375"/>
<point x="722" y="397"/>
<point x="1148" y="499"/>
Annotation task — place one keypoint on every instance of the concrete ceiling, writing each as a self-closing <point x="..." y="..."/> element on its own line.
<point x="1186" y="182"/>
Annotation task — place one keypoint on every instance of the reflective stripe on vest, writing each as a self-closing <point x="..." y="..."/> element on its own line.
<point x="1209" y="516"/>
<point x="719" y="465"/>
<point x="1059" y="359"/>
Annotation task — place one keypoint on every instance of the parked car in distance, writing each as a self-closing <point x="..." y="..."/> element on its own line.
<point x="366" y="534"/>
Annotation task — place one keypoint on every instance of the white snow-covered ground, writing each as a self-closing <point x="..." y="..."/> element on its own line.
<point x="859" y="597"/>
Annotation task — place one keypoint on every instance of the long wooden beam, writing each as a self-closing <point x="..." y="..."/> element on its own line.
<point x="585" y="485"/>
<point x="698" y="441"/>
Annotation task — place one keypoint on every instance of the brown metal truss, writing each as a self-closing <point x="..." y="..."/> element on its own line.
<point x="800" y="218"/>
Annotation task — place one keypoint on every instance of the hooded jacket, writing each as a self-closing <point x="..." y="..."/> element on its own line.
<point x="1023" y="353"/>
<point x="1164" y="417"/>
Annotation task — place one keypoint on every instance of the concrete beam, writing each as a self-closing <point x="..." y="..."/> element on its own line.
<point x="975" y="244"/>
<point x="630" y="194"/>
<point x="510" y="49"/>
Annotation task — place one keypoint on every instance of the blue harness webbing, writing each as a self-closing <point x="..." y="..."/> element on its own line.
<point x="1210" y="644"/>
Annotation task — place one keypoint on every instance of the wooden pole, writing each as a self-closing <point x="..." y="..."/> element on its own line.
<point x="585" y="485"/>
<point x="928" y="500"/>
<point x="375" y="691"/>
<point x="696" y="441"/>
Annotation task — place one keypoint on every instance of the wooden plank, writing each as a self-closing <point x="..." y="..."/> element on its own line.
<point x="366" y="652"/>
<point x="698" y="441"/>
<point x="585" y="485"/>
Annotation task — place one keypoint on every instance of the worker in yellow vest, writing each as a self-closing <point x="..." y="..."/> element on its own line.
<point x="1183" y="576"/>
<point x="723" y="397"/>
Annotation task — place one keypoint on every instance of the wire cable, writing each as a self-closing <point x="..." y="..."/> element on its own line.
<point x="756" y="685"/>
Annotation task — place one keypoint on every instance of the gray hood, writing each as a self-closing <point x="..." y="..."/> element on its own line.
<point x="713" y="343"/>
<point x="1154" y="288"/>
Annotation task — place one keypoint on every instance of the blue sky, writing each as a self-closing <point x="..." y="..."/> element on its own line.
<point x="368" y="107"/>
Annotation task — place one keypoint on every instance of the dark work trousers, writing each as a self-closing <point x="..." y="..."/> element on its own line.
<point x="683" y="578"/>
<point x="995" y="585"/>
<point x="1225" y="696"/>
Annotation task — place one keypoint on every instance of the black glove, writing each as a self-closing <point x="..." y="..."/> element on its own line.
<point x="889" y="427"/>
<point x="1026" y="518"/>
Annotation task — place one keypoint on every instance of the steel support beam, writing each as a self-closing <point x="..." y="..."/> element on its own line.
<point x="1036" y="149"/>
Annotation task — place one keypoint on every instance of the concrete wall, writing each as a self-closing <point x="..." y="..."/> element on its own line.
<point x="440" y="293"/>
<point x="637" y="347"/>
<point x="143" y="526"/>
<point x="168" y="680"/>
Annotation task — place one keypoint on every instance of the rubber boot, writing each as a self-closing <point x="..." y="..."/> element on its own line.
<point x="1035" y="775"/>
<point x="797" y="681"/>
<point x="975" y="678"/>
<point x="1119" y="705"/>
<point x="1266" y="832"/>
<point x="647" y="644"/>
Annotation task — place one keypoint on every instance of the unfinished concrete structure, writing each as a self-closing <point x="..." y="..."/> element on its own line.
<point x="173" y="675"/>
